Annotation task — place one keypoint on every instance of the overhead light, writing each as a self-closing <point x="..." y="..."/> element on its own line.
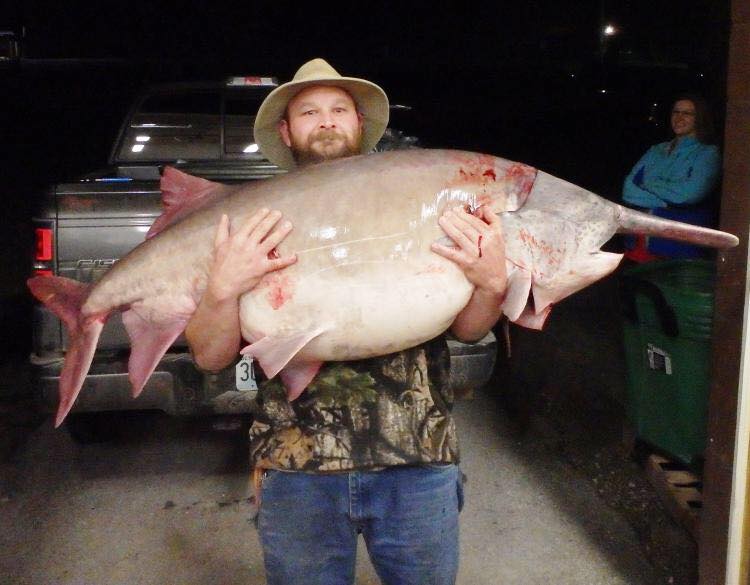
<point x="251" y="148"/>
<point x="138" y="147"/>
<point x="142" y="138"/>
<point x="610" y="30"/>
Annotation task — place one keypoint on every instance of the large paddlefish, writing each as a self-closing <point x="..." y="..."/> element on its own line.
<point x="366" y="282"/>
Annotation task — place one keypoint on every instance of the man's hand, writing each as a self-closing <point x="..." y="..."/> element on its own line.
<point x="244" y="255"/>
<point x="481" y="255"/>
<point x="241" y="258"/>
<point x="481" y="248"/>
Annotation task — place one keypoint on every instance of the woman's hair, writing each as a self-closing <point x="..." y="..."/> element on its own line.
<point x="704" y="121"/>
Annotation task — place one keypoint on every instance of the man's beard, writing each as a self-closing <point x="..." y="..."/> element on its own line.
<point x="325" y="144"/>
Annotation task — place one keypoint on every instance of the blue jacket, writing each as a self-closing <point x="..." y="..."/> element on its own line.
<point x="683" y="177"/>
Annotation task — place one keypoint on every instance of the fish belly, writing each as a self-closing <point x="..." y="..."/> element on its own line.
<point x="363" y="309"/>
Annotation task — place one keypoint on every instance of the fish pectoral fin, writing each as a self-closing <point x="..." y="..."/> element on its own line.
<point x="532" y="319"/>
<point x="149" y="342"/>
<point x="517" y="307"/>
<point x="275" y="352"/>
<point x="517" y="293"/>
<point x="297" y="377"/>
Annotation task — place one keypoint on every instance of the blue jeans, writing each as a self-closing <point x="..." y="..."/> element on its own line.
<point x="407" y="515"/>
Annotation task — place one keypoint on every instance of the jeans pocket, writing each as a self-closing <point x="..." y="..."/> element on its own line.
<point x="267" y="477"/>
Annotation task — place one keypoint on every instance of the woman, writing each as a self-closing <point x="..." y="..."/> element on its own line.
<point x="682" y="171"/>
<point x="672" y="177"/>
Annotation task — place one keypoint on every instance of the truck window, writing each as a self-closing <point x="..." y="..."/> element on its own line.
<point x="170" y="127"/>
<point x="239" y="118"/>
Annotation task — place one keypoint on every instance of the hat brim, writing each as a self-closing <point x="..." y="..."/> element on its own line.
<point x="371" y="102"/>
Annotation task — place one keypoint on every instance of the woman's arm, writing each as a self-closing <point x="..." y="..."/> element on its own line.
<point x="695" y="183"/>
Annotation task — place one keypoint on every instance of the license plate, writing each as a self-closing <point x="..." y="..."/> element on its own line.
<point x="244" y="374"/>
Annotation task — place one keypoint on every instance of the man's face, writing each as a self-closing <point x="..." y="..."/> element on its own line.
<point x="322" y="124"/>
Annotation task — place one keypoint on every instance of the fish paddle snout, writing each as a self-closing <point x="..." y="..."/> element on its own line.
<point x="630" y="221"/>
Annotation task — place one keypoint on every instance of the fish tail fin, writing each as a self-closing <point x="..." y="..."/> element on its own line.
<point x="65" y="297"/>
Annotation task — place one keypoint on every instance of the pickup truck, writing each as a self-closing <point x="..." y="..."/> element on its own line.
<point x="85" y="225"/>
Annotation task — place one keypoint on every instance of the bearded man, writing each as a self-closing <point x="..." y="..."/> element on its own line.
<point x="370" y="446"/>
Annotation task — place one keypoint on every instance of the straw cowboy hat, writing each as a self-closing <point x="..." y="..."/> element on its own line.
<point x="371" y="102"/>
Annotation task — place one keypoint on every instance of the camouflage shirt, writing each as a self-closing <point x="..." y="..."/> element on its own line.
<point x="373" y="413"/>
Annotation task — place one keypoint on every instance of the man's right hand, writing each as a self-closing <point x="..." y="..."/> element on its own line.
<point x="241" y="259"/>
<point x="243" y="256"/>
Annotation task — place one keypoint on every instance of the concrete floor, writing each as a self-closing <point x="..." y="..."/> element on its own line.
<point x="169" y="503"/>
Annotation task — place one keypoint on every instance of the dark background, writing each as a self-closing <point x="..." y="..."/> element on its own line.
<point x="533" y="81"/>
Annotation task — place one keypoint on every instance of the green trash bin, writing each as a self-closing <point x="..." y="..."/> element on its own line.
<point x="668" y="311"/>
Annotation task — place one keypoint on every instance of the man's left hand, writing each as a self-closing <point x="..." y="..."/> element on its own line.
<point x="480" y="250"/>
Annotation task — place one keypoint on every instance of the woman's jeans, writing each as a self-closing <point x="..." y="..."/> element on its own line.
<point x="407" y="515"/>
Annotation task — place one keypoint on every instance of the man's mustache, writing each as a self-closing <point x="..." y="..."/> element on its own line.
<point x="327" y="134"/>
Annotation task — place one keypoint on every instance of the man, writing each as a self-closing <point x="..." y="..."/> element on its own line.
<point x="370" y="446"/>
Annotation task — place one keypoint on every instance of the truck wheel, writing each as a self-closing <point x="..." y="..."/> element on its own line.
<point x="88" y="428"/>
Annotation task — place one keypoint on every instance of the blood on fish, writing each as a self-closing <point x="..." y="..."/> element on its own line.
<point x="277" y="297"/>
<point x="479" y="169"/>
<point x="279" y="290"/>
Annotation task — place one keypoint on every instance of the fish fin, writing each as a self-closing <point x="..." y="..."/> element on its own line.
<point x="517" y="295"/>
<point x="65" y="297"/>
<point x="182" y="194"/>
<point x="533" y="320"/>
<point x="297" y="377"/>
<point x="585" y="271"/>
<point x="274" y="353"/>
<point x="149" y="342"/>
<point x="81" y="348"/>
<point x="519" y="179"/>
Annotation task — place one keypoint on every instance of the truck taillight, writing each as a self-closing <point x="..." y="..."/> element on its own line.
<point x="43" y="245"/>
<point x="44" y="249"/>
